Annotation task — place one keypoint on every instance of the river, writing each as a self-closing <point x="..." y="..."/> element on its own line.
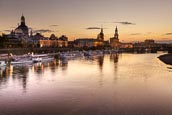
<point x="123" y="84"/>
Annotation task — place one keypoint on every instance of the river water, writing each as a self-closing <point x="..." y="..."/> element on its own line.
<point x="124" y="84"/>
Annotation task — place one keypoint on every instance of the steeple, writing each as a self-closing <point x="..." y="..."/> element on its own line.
<point x="101" y="29"/>
<point x="22" y="20"/>
<point x="116" y="30"/>
<point x="101" y="35"/>
<point x="116" y="33"/>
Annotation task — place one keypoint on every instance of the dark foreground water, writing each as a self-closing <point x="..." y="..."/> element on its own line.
<point x="128" y="84"/>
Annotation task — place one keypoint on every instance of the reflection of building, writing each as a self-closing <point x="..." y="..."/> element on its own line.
<point x="114" y="57"/>
<point x="21" y="75"/>
<point x="114" y="41"/>
<point x="101" y="61"/>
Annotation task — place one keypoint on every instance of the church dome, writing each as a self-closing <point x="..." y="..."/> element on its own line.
<point x="18" y="31"/>
<point x="22" y="28"/>
<point x="53" y="37"/>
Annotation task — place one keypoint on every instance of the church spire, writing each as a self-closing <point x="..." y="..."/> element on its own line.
<point x="22" y="20"/>
<point x="116" y="33"/>
<point x="116" y="30"/>
<point x="100" y="36"/>
<point x="101" y="29"/>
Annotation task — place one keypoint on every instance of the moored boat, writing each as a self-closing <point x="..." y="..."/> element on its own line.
<point x="42" y="58"/>
<point x="67" y="56"/>
<point x="2" y="63"/>
<point x="20" y="61"/>
<point x="93" y="53"/>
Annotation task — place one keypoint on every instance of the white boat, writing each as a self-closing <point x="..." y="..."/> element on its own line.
<point x="67" y="56"/>
<point x="41" y="58"/>
<point x="3" y="56"/>
<point x="21" y="61"/>
<point x="71" y="55"/>
<point x="36" y="59"/>
<point x="78" y="54"/>
<point x="93" y="53"/>
<point x="2" y="63"/>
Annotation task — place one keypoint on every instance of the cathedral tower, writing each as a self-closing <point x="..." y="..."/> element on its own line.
<point x="22" y="20"/>
<point x="116" y="35"/>
<point x="100" y="36"/>
<point x="22" y="30"/>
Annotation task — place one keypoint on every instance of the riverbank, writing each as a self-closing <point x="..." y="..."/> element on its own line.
<point x="166" y="58"/>
<point x="20" y="51"/>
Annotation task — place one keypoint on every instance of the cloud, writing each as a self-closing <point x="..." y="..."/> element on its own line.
<point x="135" y="34"/>
<point x="93" y="28"/>
<point x="168" y="34"/>
<point x="54" y="25"/>
<point x="7" y="30"/>
<point x="126" y="23"/>
<point x="43" y="31"/>
<point x="13" y="27"/>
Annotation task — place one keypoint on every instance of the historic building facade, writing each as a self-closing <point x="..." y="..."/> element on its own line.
<point x="54" y="41"/>
<point x="100" y="39"/>
<point x="100" y="36"/>
<point x="21" y="32"/>
<point x="114" y="41"/>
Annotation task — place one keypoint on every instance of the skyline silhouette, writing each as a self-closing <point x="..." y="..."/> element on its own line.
<point x="136" y="20"/>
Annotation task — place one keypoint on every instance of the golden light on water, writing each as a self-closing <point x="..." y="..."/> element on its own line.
<point x="133" y="81"/>
<point x="11" y="70"/>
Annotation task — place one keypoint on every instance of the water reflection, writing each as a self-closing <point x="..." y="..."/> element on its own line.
<point x="100" y="62"/>
<point x="110" y="84"/>
<point x="3" y="76"/>
<point x="39" y="68"/>
<point x="54" y="65"/>
<point x="115" y="58"/>
<point x="63" y="64"/>
<point x="20" y="73"/>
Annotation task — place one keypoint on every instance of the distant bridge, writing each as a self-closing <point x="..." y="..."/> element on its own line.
<point x="153" y="48"/>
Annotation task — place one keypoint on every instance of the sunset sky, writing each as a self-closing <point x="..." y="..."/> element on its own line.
<point x="137" y="20"/>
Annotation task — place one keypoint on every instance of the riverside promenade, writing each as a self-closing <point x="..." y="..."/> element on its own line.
<point x="20" y="51"/>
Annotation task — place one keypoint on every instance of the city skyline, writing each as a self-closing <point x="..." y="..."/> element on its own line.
<point x="136" y="20"/>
